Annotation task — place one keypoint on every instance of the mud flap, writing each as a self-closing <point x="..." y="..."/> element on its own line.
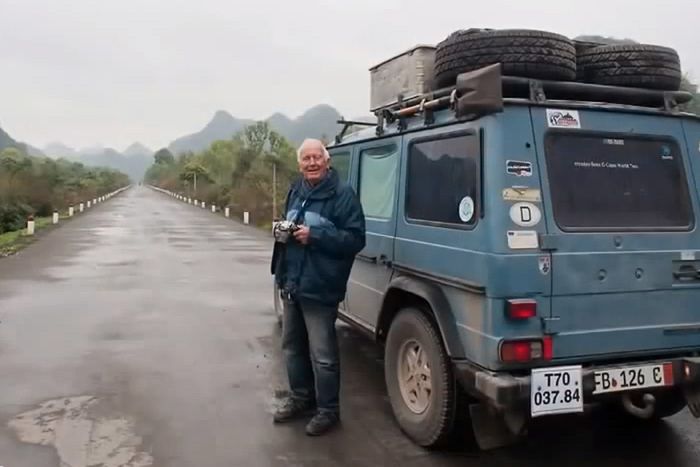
<point x="692" y="396"/>
<point x="494" y="429"/>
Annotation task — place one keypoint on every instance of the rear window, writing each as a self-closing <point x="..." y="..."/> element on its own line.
<point x="600" y="182"/>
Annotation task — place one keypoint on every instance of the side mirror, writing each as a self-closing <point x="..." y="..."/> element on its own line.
<point x="480" y="92"/>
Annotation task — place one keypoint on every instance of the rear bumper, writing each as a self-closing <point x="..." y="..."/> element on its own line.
<point x="504" y="390"/>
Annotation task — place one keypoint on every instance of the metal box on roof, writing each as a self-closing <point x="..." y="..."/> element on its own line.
<point x="407" y="75"/>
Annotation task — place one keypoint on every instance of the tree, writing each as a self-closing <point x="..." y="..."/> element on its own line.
<point x="164" y="156"/>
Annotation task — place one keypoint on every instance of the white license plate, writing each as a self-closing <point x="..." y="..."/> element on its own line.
<point x="633" y="377"/>
<point x="556" y="390"/>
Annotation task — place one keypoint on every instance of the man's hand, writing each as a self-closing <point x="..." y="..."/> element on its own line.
<point x="302" y="235"/>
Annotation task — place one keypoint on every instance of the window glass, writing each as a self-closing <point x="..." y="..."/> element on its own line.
<point x="340" y="161"/>
<point x="443" y="180"/>
<point x="378" y="174"/>
<point x="599" y="182"/>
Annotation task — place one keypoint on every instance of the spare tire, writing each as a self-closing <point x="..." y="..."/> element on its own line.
<point x="521" y="52"/>
<point x="631" y="65"/>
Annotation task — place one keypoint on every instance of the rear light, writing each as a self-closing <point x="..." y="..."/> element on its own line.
<point x="547" y="348"/>
<point x="526" y="350"/>
<point x="521" y="308"/>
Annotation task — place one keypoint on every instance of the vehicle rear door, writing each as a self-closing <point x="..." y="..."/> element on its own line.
<point x="621" y="212"/>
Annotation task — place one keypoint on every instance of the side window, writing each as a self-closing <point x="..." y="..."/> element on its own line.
<point x="340" y="161"/>
<point x="443" y="181"/>
<point x="378" y="174"/>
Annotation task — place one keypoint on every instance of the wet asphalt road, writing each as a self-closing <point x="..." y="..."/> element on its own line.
<point x="142" y="333"/>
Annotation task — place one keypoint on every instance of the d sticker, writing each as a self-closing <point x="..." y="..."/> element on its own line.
<point x="466" y="209"/>
<point x="519" y="168"/>
<point x="545" y="264"/>
<point x="525" y="214"/>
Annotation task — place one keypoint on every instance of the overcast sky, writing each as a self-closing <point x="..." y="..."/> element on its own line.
<point x="111" y="72"/>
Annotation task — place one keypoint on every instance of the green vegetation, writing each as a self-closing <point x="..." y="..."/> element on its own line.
<point x="39" y="185"/>
<point x="237" y="172"/>
<point x="11" y="242"/>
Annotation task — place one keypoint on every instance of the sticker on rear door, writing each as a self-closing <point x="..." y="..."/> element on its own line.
<point x="522" y="239"/>
<point x="519" y="168"/>
<point x="525" y="214"/>
<point x="522" y="193"/>
<point x="563" y="118"/>
<point x="545" y="264"/>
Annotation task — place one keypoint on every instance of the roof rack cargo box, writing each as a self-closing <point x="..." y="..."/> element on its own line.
<point x="407" y="75"/>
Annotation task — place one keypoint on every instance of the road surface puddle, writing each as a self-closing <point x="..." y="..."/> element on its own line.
<point x="81" y="439"/>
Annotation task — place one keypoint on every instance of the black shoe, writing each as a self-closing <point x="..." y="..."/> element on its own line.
<point x="322" y="423"/>
<point x="293" y="409"/>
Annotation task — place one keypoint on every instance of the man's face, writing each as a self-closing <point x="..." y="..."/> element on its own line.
<point x="313" y="164"/>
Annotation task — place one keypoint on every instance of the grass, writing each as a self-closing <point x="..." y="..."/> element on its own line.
<point x="12" y="242"/>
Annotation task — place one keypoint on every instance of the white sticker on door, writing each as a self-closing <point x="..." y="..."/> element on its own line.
<point x="563" y="118"/>
<point x="522" y="239"/>
<point x="466" y="209"/>
<point x="525" y="214"/>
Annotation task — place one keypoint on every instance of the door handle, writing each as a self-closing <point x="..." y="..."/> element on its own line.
<point x="687" y="275"/>
<point x="686" y="272"/>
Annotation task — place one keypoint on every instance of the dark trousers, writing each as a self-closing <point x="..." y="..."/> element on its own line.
<point x="310" y="348"/>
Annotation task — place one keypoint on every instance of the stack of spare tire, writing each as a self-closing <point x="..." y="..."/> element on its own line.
<point x="549" y="56"/>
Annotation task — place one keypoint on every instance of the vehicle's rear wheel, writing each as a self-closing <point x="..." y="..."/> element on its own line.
<point x="521" y="52"/>
<point x="419" y="378"/>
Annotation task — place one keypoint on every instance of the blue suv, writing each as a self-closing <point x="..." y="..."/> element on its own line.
<point x="528" y="256"/>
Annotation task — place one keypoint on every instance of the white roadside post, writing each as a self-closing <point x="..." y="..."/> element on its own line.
<point x="88" y="205"/>
<point x="213" y="208"/>
<point x="71" y="211"/>
<point x="196" y="203"/>
<point x="30" y="225"/>
<point x="246" y="217"/>
<point x="55" y="217"/>
<point x="204" y="205"/>
<point x="82" y="207"/>
<point x="227" y="212"/>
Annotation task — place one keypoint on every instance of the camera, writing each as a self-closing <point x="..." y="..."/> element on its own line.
<point x="281" y="230"/>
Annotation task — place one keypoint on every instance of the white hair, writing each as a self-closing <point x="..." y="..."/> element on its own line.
<point x="312" y="142"/>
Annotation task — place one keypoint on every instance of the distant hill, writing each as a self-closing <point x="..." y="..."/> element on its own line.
<point x="319" y="121"/>
<point x="6" y="141"/>
<point x="137" y="150"/>
<point x="57" y="150"/>
<point x="134" y="164"/>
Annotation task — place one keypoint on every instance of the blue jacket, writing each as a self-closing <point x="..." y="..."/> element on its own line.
<point x="320" y="270"/>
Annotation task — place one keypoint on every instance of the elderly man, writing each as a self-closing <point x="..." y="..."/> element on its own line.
<point x="312" y="272"/>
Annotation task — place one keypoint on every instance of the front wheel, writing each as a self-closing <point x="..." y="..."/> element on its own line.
<point x="419" y="378"/>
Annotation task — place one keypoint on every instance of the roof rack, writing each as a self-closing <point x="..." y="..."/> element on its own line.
<point x="482" y="91"/>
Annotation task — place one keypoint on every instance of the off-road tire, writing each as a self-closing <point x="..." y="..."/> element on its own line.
<point x="432" y="428"/>
<point x="631" y="65"/>
<point x="521" y="52"/>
